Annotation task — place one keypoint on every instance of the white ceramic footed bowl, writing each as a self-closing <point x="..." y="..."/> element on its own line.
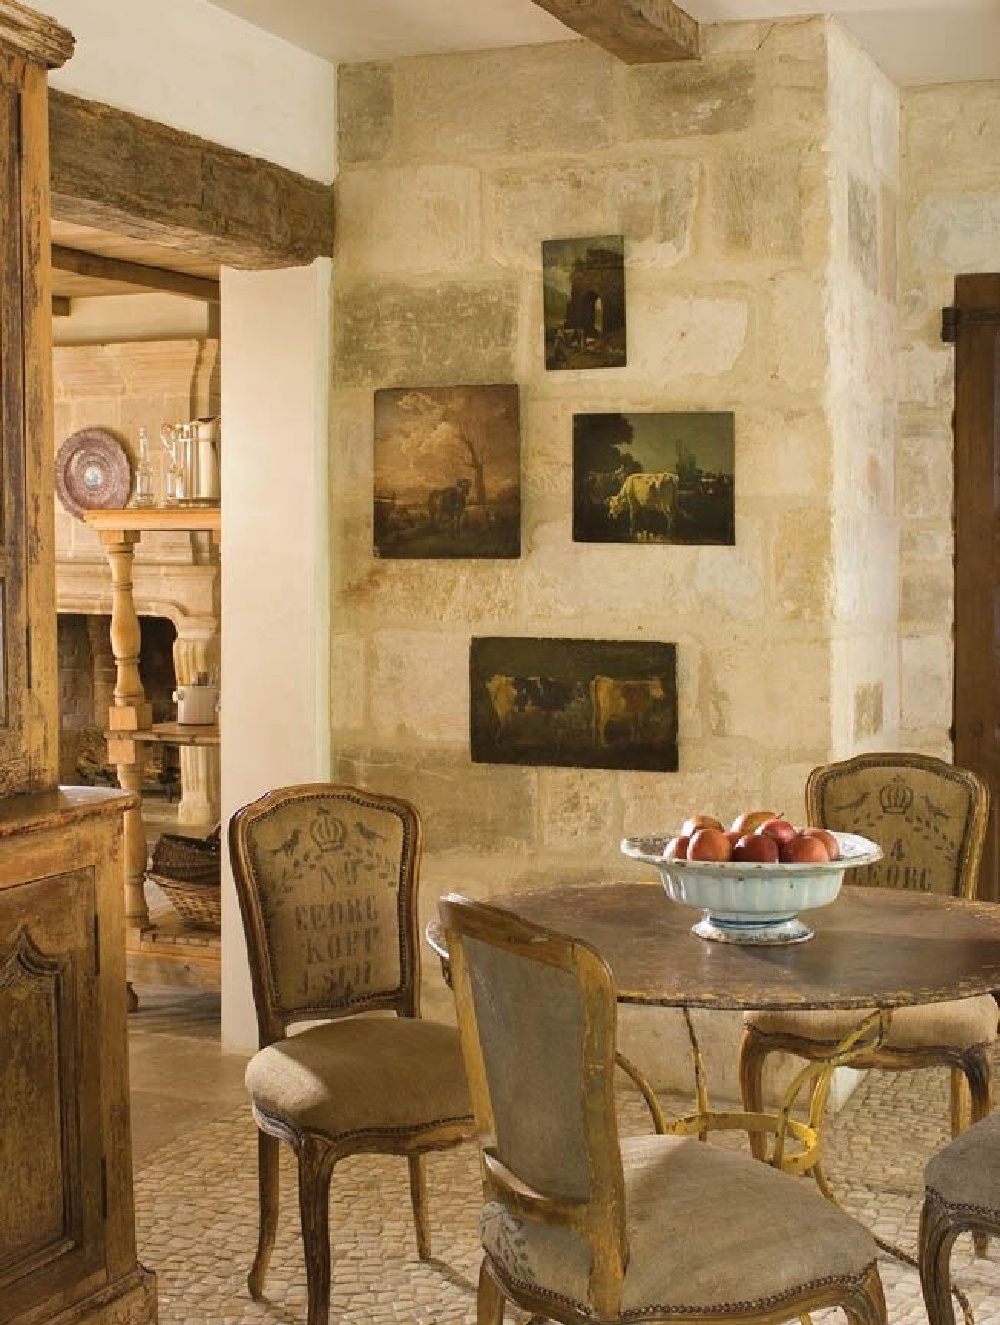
<point x="750" y="902"/>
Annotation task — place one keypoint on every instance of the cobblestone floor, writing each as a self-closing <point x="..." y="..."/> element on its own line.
<point x="196" y="1207"/>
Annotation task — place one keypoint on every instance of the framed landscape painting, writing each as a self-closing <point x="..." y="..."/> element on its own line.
<point x="447" y="472"/>
<point x="584" y="293"/>
<point x="574" y="703"/>
<point x="654" y="478"/>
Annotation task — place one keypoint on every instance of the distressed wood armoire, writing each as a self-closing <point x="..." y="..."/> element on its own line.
<point x="67" y="1236"/>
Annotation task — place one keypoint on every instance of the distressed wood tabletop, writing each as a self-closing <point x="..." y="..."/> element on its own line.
<point x="873" y="947"/>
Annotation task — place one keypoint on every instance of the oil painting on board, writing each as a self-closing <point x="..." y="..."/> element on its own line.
<point x="584" y="290"/>
<point x="574" y="703"/>
<point x="447" y="472"/>
<point x="653" y="478"/>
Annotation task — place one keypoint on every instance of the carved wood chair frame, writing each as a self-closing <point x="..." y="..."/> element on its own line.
<point x="316" y="1155"/>
<point x="973" y="1065"/>
<point x="940" y="1224"/>
<point x="600" y="1218"/>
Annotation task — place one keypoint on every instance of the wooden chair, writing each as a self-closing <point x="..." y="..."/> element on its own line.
<point x="930" y="820"/>
<point x="578" y="1226"/>
<point x="962" y="1195"/>
<point x="327" y="882"/>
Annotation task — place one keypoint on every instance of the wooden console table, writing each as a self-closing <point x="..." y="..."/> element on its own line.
<point x="151" y="949"/>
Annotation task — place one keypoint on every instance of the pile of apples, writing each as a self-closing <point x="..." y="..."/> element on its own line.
<point x="760" y="837"/>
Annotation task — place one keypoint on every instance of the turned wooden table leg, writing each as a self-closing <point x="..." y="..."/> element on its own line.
<point x="129" y="713"/>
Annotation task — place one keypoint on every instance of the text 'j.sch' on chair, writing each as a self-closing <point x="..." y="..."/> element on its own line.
<point x="930" y="820"/>
<point x="962" y="1196"/>
<point x="327" y="881"/>
<point x="581" y="1227"/>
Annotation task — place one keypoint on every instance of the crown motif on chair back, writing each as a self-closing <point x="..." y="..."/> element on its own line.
<point x="327" y="831"/>
<point x="896" y="797"/>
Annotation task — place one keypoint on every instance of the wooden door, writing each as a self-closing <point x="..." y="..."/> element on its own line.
<point x="51" y="1143"/>
<point x="974" y="326"/>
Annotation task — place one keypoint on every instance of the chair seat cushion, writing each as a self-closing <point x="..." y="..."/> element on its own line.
<point x="363" y="1075"/>
<point x="708" y="1231"/>
<point x="958" y="1024"/>
<point x="967" y="1172"/>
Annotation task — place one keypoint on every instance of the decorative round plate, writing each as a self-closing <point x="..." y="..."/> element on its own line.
<point x="92" y="472"/>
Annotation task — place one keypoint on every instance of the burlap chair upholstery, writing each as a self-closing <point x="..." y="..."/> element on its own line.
<point x="362" y="1075"/>
<point x="708" y="1232"/>
<point x="967" y="1171"/>
<point x="327" y="879"/>
<point x="961" y="1023"/>
<point x="930" y="820"/>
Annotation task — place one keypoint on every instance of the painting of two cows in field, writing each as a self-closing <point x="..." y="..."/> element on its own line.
<point x="574" y="703"/>
<point x="653" y="478"/>
<point x="447" y="472"/>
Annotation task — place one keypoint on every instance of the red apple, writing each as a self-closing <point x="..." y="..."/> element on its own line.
<point x="803" y="850"/>
<point x="780" y="829"/>
<point x="756" y="847"/>
<point x="734" y="836"/>
<point x="710" y="844"/>
<point x="696" y="821"/>
<point x="752" y="820"/>
<point x="827" y="838"/>
<point x="677" y="848"/>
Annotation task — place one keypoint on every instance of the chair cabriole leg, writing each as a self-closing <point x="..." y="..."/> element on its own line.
<point x="489" y="1300"/>
<point x="937" y="1237"/>
<point x="315" y="1172"/>
<point x="751" y="1085"/>
<point x="267" y="1190"/>
<point x="866" y="1305"/>
<point x="418" y="1199"/>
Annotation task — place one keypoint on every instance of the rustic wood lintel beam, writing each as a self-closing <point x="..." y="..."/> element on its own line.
<point x="101" y="267"/>
<point x="116" y="171"/>
<point x="636" y="31"/>
<point x="34" y="35"/>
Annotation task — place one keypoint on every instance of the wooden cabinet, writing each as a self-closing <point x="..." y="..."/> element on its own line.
<point x="67" y="1242"/>
<point x="67" y="1228"/>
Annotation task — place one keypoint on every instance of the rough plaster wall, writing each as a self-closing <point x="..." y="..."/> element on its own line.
<point x="861" y="321"/>
<point x="453" y="170"/>
<point x="950" y="225"/>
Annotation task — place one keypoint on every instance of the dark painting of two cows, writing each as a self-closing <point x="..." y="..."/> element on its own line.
<point x="574" y="703"/>
<point x="653" y="478"/>
<point x="448" y="472"/>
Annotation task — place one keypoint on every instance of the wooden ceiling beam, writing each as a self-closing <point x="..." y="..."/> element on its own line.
<point x="636" y="31"/>
<point x="115" y="171"/>
<point x="102" y="268"/>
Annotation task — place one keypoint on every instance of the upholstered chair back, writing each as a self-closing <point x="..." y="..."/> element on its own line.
<point x="928" y="817"/>
<point x="326" y="877"/>
<point x="536" y="1013"/>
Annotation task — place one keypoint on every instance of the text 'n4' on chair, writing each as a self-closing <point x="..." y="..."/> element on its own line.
<point x="580" y="1227"/>
<point x="327" y="881"/>
<point x="930" y="820"/>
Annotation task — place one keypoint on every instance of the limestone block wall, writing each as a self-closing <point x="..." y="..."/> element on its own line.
<point x="861" y="322"/>
<point x="453" y="171"/>
<point x="950" y="225"/>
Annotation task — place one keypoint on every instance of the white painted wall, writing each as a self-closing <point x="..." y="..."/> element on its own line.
<point x="190" y="65"/>
<point x="275" y="560"/>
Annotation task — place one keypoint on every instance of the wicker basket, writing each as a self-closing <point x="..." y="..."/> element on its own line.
<point x="189" y="870"/>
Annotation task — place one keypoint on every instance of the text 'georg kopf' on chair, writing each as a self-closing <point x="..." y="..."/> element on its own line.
<point x="579" y="1227"/>
<point x="930" y="820"/>
<point x="327" y="881"/>
<point x="962" y="1195"/>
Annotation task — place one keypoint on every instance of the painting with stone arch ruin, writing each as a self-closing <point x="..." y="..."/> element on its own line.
<point x="584" y="295"/>
<point x="448" y="472"/>
<point x="571" y="703"/>
<point x="654" y="478"/>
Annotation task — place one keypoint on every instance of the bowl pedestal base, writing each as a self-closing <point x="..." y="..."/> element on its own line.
<point x="759" y="931"/>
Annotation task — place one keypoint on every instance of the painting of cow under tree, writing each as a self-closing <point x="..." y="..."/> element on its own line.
<point x="448" y="472"/>
<point x="653" y="478"/>
<point x="584" y="293"/>
<point x="574" y="703"/>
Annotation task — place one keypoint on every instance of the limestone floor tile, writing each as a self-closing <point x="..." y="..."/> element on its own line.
<point x="196" y="1210"/>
